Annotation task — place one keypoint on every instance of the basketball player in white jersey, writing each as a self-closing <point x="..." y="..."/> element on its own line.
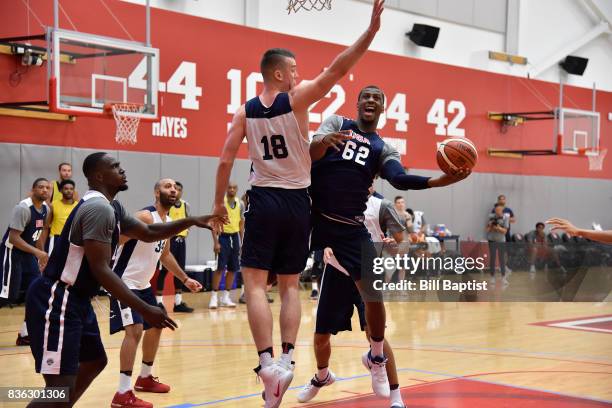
<point x="277" y="223"/>
<point x="135" y="262"/>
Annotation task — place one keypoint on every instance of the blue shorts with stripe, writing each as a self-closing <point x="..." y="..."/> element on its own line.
<point x="276" y="230"/>
<point x="229" y="255"/>
<point x="19" y="270"/>
<point x="122" y="315"/>
<point x="63" y="328"/>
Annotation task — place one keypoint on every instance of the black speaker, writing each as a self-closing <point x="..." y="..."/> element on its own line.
<point x="424" y="35"/>
<point x="574" y="65"/>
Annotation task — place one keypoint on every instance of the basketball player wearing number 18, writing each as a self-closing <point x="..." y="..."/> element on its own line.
<point x="277" y="222"/>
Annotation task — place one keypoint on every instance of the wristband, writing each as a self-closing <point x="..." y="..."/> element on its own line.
<point x="186" y="279"/>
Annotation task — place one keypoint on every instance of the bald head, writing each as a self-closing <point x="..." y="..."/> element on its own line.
<point x="232" y="189"/>
<point x="165" y="192"/>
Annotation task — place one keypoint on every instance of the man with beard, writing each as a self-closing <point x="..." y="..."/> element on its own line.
<point x="136" y="262"/>
<point x="64" y="333"/>
<point x="347" y="155"/>
<point x="21" y="251"/>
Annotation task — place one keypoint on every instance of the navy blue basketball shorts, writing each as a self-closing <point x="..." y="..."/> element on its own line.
<point x="277" y="227"/>
<point x="338" y="297"/>
<point x="351" y="244"/>
<point x="122" y="315"/>
<point x="63" y="328"/>
<point x="19" y="270"/>
<point x="229" y="256"/>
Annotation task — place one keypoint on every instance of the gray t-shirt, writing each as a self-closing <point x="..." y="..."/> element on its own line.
<point x="389" y="219"/>
<point x="21" y="215"/>
<point x="503" y="222"/>
<point x="334" y="123"/>
<point x="95" y="220"/>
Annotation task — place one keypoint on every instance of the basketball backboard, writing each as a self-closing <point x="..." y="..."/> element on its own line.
<point x="89" y="72"/>
<point x="576" y="131"/>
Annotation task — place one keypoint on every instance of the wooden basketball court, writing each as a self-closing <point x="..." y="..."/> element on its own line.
<point x="448" y="355"/>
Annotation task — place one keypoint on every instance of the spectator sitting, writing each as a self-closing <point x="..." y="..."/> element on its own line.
<point x="419" y="226"/>
<point x="540" y="250"/>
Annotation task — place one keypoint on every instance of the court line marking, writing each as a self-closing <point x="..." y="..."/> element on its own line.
<point x="450" y="377"/>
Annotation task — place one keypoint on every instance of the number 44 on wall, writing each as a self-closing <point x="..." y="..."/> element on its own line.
<point x="181" y="82"/>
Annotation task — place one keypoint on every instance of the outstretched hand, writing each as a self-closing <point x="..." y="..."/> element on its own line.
<point x="564" y="225"/>
<point x="336" y="139"/>
<point x="447" y="179"/>
<point x="379" y="6"/>
<point x="213" y="222"/>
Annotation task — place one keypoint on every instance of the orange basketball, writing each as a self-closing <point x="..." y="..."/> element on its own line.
<point x="455" y="153"/>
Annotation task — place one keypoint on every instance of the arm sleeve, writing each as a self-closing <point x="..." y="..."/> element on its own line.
<point x="389" y="219"/>
<point x="97" y="222"/>
<point x="329" y="125"/>
<point x="20" y="217"/>
<point x="394" y="173"/>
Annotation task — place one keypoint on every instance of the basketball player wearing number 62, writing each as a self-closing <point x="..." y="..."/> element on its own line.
<point x="277" y="222"/>
<point x="347" y="155"/>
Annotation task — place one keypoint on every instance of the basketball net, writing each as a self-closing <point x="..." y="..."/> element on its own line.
<point x="296" y="5"/>
<point x="596" y="162"/>
<point x="127" y="125"/>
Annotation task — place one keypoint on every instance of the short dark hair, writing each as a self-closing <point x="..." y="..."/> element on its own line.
<point x="372" y="87"/>
<point x="63" y="164"/>
<point x="67" y="181"/>
<point x="38" y="180"/>
<point x="500" y="196"/>
<point x="90" y="164"/>
<point x="409" y="211"/>
<point x="272" y="58"/>
<point x="540" y="223"/>
<point x="178" y="184"/>
<point x="397" y="198"/>
<point x="499" y="205"/>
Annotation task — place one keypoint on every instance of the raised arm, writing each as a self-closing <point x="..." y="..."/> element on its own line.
<point x="308" y="92"/>
<point x="234" y="139"/>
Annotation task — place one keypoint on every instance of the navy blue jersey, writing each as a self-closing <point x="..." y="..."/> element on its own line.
<point x="33" y="228"/>
<point x="68" y="262"/>
<point x="341" y="179"/>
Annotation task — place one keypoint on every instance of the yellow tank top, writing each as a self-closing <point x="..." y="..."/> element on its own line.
<point x="57" y="195"/>
<point x="61" y="212"/>
<point x="234" y="217"/>
<point x="178" y="214"/>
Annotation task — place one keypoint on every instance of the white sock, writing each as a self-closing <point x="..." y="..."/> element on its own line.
<point x="146" y="370"/>
<point x="160" y="299"/>
<point x="322" y="373"/>
<point x="265" y="359"/>
<point x="315" y="285"/>
<point x="24" y="330"/>
<point x="241" y="290"/>
<point x="396" y="397"/>
<point x="227" y="294"/>
<point x="178" y="298"/>
<point x="125" y="383"/>
<point x="377" y="348"/>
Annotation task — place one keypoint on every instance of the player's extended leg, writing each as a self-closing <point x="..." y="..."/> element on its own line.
<point x="124" y="397"/>
<point x="290" y="315"/>
<point x="88" y="371"/>
<point x="391" y="368"/>
<point x="258" y="309"/>
<point x="324" y="376"/>
<point x="145" y="381"/>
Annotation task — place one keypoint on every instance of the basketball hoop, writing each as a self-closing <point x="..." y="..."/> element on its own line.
<point x="596" y="161"/>
<point x="127" y="124"/>
<point x="296" y="5"/>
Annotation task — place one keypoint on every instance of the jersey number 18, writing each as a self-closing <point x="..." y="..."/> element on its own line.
<point x="277" y="144"/>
